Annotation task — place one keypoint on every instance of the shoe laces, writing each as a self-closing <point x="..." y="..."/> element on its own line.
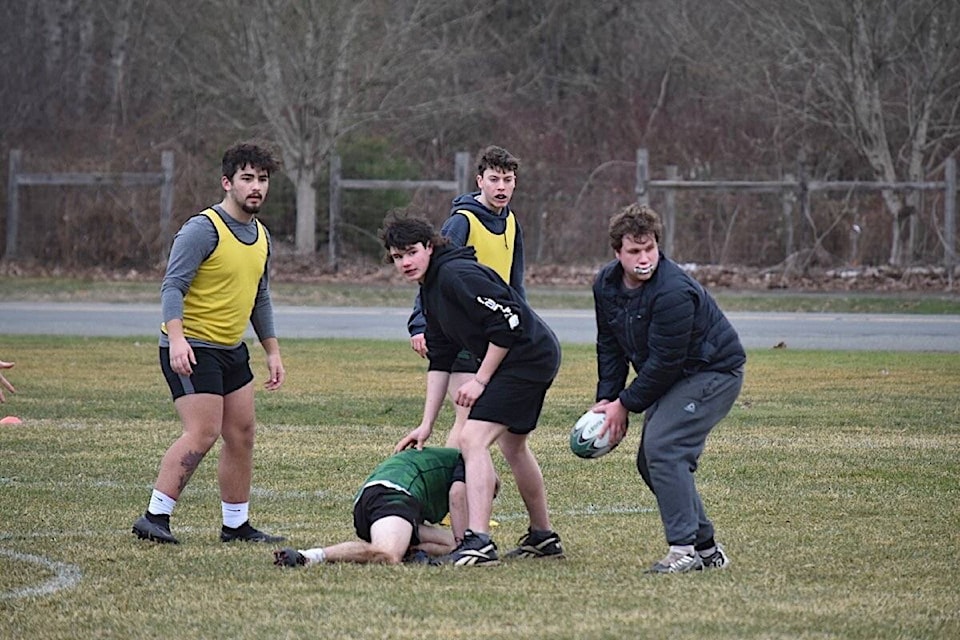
<point x="678" y="559"/>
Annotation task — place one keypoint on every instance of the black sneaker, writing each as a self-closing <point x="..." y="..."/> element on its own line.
<point x="716" y="560"/>
<point x="155" y="528"/>
<point x="537" y="544"/>
<point x="247" y="533"/>
<point x="289" y="558"/>
<point x="477" y="549"/>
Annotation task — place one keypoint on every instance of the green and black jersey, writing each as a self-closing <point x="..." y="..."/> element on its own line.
<point x="426" y="475"/>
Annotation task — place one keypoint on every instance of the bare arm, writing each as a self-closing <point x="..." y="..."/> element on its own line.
<point x="436" y="390"/>
<point x="4" y="383"/>
<point x="277" y="374"/>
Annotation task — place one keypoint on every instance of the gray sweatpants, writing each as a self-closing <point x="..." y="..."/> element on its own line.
<point x="675" y="430"/>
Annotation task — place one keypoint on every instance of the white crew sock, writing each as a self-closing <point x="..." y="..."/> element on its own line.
<point x="314" y="556"/>
<point x="235" y="514"/>
<point x="160" y="504"/>
<point x="685" y="549"/>
<point x="706" y="553"/>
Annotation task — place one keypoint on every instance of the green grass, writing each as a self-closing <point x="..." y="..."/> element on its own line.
<point x="833" y="485"/>
<point x="401" y="294"/>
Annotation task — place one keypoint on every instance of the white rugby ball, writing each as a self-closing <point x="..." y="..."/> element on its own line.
<point x="583" y="437"/>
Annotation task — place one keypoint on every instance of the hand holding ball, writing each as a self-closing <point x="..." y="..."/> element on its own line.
<point x="583" y="438"/>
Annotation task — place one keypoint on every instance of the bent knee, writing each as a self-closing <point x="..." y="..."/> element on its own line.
<point x="200" y="440"/>
<point x="386" y="557"/>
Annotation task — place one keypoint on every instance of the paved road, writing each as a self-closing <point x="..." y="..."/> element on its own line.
<point x="757" y="330"/>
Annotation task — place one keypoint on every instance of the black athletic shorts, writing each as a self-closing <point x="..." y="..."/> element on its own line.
<point x="377" y="502"/>
<point x="510" y="401"/>
<point x="218" y="371"/>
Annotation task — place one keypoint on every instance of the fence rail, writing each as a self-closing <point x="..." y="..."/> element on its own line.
<point x="793" y="189"/>
<point x="18" y="179"/>
<point x="459" y="184"/>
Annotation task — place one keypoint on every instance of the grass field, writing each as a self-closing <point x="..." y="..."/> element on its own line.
<point x="833" y="485"/>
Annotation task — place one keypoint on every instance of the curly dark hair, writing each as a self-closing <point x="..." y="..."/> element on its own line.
<point x="494" y="157"/>
<point x="402" y="229"/>
<point x="247" y="153"/>
<point x="634" y="220"/>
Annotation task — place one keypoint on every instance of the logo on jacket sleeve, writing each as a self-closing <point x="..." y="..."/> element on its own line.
<point x="511" y="318"/>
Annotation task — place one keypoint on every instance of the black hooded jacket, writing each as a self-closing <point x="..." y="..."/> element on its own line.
<point x="467" y="306"/>
<point x="668" y="329"/>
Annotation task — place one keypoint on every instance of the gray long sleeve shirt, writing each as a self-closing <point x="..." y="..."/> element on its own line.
<point x="193" y="244"/>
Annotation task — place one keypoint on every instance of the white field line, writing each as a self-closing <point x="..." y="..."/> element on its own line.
<point x="69" y="575"/>
<point x="258" y="492"/>
<point x="213" y="529"/>
<point x="271" y="494"/>
<point x="586" y="510"/>
<point x="65" y="576"/>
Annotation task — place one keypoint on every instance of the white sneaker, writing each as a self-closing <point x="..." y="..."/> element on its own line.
<point x="678" y="562"/>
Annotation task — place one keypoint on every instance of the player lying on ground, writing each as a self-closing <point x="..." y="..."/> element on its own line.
<point x="394" y="510"/>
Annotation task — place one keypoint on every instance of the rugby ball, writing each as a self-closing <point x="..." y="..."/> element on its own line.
<point x="583" y="437"/>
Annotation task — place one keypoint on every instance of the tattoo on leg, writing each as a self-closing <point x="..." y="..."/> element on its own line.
<point x="189" y="462"/>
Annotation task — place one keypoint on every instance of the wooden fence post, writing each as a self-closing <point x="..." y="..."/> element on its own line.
<point x="950" y="216"/>
<point x="13" y="205"/>
<point x="670" y="213"/>
<point x="787" y="199"/>
<point x="803" y="193"/>
<point x="643" y="176"/>
<point x="333" y="210"/>
<point x="166" y="202"/>
<point x="461" y="172"/>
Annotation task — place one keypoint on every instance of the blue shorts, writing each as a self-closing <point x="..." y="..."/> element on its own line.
<point x="218" y="371"/>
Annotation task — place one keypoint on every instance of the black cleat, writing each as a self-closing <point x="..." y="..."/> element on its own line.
<point x="155" y="529"/>
<point x="289" y="557"/>
<point x="247" y="533"/>
<point x="716" y="560"/>
<point x="538" y="544"/>
<point x="476" y="550"/>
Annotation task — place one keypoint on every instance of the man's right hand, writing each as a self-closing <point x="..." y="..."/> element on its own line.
<point x="415" y="438"/>
<point x="182" y="358"/>
<point x="418" y="343"/>
<point x="617" y="419"/>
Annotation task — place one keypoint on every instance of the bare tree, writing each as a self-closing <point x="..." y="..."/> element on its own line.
<point x="118" y="63"/>
<point x="602" y="79"/>
<point x="880" y="76"/>
<point x="313" y="71"/>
